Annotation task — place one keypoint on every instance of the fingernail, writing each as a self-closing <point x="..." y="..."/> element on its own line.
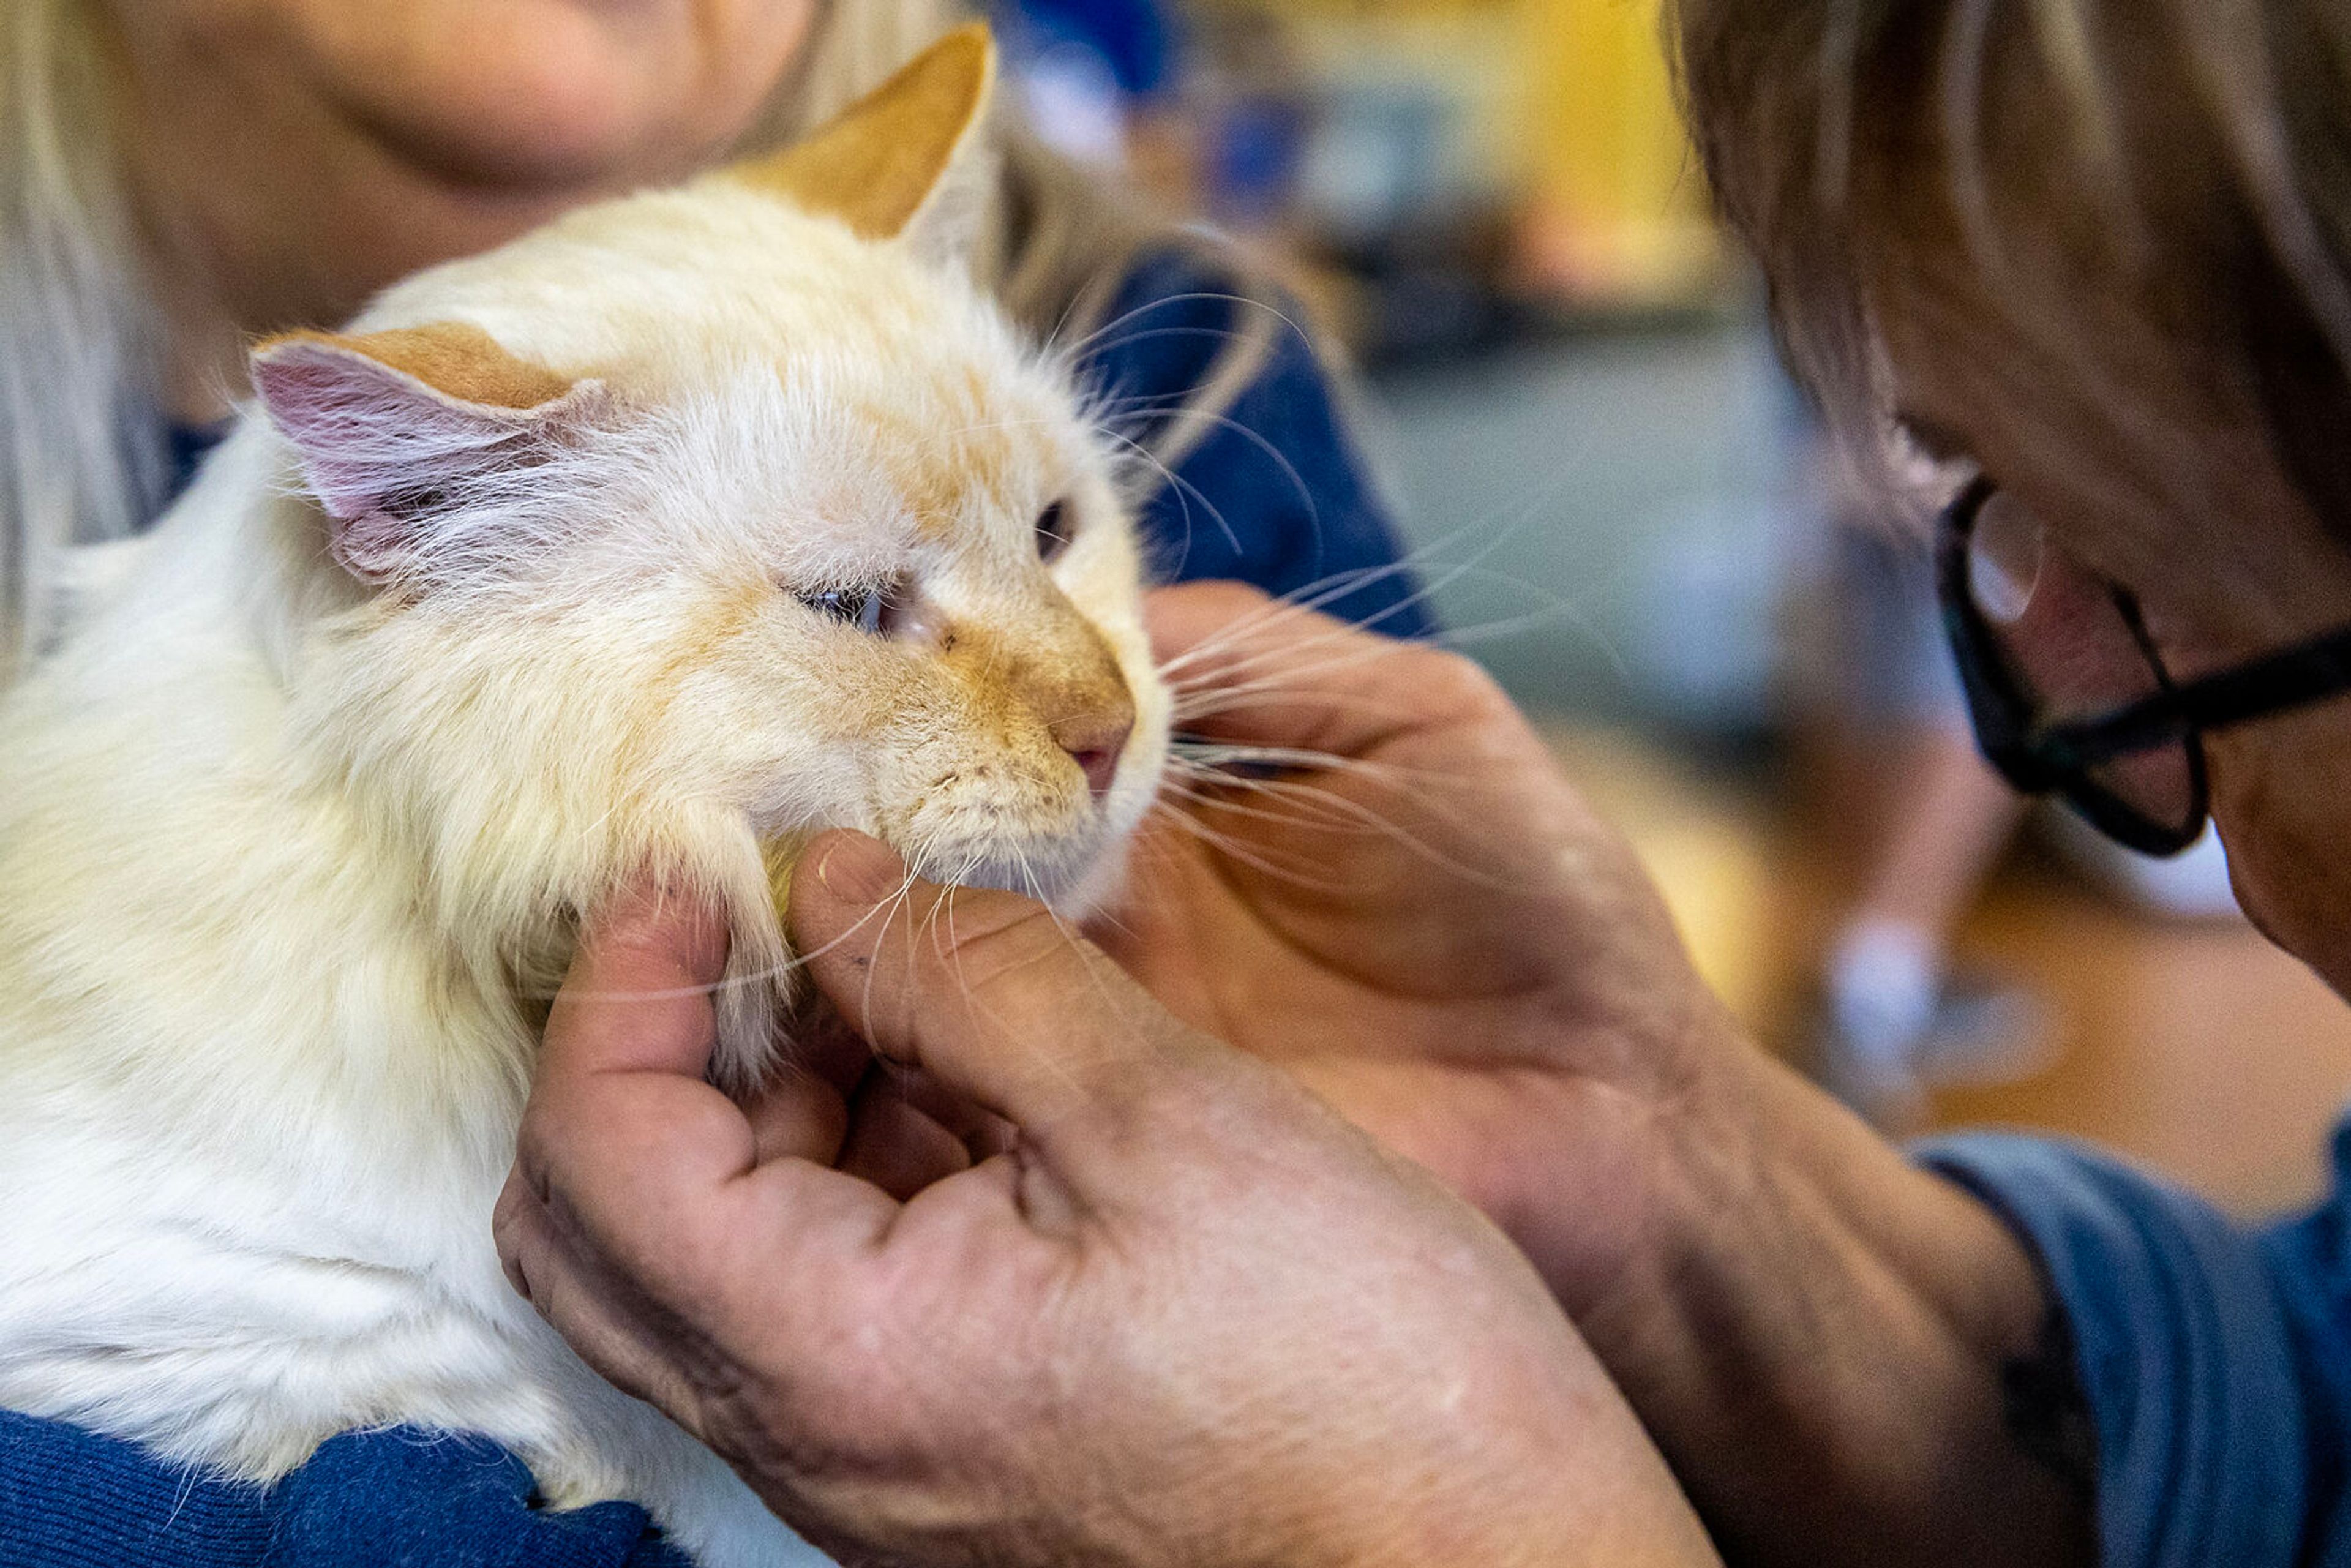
<point x="859" y="870"/>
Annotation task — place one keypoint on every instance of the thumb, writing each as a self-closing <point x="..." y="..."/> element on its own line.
<point x="638" y="996"/>
<point x="989" y="994"/>
<point x="620" y="1090"/>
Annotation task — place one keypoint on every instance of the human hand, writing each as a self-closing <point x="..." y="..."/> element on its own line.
<point x="1189" y="1316"/>
<point x="1435" y="933"/>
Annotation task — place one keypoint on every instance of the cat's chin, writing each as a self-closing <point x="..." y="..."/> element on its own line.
<point x="1071" y="884"/>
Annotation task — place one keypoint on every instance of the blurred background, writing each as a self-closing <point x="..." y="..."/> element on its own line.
<point x="1625" y="511"/>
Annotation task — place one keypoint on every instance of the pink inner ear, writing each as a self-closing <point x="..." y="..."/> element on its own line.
<point x="378" y="446"/>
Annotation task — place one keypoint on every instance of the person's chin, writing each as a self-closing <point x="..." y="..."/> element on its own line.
<point x="559" y="94"/>
<point x="2292" y="903"/>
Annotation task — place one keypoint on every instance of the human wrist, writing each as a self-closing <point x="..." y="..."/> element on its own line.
<point x="1798" y="1277"/>
<point x="1546" y="1464"/>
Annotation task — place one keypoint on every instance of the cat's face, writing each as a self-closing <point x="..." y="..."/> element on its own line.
<point x="904" y="598"/>
<point x="694" y="510"/>
<point x="939" y="642"/>
<point x="861" y="563"/>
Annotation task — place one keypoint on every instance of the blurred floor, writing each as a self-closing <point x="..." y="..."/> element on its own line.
<point x="2195" y="1048"/>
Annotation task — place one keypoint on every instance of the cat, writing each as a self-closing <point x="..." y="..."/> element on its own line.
<point x="657" y="540"/>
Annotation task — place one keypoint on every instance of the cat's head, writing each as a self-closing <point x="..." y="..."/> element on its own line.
<point x="704" y="520"/>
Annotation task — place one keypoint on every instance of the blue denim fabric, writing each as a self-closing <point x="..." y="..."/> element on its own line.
<point x="374" y="1500"/>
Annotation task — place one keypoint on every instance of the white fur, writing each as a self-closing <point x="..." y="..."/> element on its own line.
<point x="277" y="851"/>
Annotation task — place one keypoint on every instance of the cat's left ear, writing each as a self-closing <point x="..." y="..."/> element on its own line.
<point x="390" y="424"/>
<point x="909" y="163"/>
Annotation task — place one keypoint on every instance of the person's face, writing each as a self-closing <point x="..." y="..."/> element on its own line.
<point x="302" y="153"/>
<point x="2142" y="478"/>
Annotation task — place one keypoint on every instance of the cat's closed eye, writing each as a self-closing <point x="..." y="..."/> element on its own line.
<point x="867" y="608"/>
<point x="1053" y="532"/>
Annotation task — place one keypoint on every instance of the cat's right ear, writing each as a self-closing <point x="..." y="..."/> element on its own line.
<point x="908" y="163"/>
<point x="389" y="424"/>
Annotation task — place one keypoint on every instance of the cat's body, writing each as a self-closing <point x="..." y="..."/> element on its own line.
<point x="291" y="835"/>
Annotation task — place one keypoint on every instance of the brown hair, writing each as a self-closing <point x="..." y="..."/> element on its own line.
<point x="2145" y="194"/>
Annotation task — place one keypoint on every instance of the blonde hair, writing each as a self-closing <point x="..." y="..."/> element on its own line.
<point x="83" y="432"/>
<point x="2143" y="193"/>
<point x="80" y="438"/>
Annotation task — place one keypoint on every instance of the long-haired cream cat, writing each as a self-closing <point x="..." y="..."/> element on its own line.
<point x="656" y="540"/>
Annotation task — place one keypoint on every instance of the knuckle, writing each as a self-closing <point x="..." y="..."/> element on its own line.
<point x="1223" y="595"/>
<point x="1453" y="681"/>
<point x="534" y="1160"/>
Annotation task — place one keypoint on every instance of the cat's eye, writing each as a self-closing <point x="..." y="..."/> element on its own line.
<point x="864" y="608"/>
<point x="1053" y="532"/>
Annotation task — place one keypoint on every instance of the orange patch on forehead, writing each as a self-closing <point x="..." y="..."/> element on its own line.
<point x="940" y="470"/>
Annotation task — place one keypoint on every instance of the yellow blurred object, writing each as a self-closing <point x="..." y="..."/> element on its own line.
<point x="1619" y="213"/>
<point x="1558" y="113"/>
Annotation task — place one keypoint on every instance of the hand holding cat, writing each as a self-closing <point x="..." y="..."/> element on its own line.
<point x="1105" y="1344"/>
<point x="1437" y="933"/>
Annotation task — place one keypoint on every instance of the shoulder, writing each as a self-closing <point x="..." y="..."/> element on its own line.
<point x="1177" y="311"/>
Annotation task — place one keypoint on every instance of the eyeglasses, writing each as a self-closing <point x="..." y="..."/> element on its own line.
<point x="2069" y="696"/>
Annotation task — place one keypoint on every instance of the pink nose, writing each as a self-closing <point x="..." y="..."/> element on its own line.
<point x="1095" y="743"/>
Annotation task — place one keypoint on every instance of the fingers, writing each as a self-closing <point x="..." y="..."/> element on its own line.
<point x="633" y="1170"/>
<point x="627" y="1043"/>
<point x="603" y="1315"/>
<point x="984" y="993"/>
<point x="906" y="1131"/>
<point x="638" y="996"/>
<point x="1187" y="620"/>
<point x="898" y="1149"/>
<point x="797" y="1116"/>
<point x="980" y="1131"/>
<point x="1253" y="671"/>
<point x="803" y="1111"/>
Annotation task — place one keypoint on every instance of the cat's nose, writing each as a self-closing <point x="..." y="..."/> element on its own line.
<point x="1096" y="739"/>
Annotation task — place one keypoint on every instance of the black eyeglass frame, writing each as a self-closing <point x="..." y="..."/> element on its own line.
<point x="2057" y="759"/>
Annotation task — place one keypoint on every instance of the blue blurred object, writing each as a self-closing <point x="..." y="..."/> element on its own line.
<point x="1136" y="39"/>
<point x="1255" y="153"/>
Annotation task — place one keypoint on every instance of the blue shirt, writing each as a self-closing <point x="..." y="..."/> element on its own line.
<point x="366" y="1500"/>
<point x="1275" y="495"/>
<point x="1136" y="40"/>
<point x="2215" y="1358"/>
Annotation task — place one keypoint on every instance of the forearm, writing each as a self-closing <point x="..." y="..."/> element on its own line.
<point x="1819" y="1336"/>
